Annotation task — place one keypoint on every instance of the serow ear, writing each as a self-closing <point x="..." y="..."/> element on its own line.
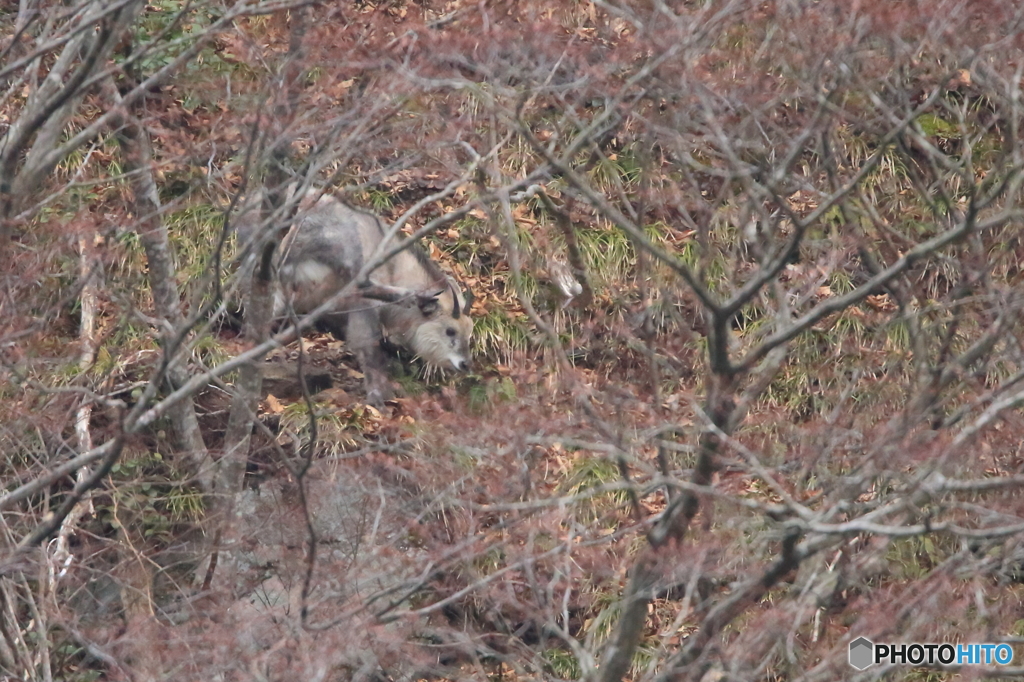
<point x="381" y="292"/>
<point x="428" y="305"/>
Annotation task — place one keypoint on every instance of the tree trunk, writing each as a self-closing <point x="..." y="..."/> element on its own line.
<point x="186" y="434"/>
<point x="258" y="310"/>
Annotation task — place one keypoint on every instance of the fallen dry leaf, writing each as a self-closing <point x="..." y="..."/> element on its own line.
<point x="272" y="405"/>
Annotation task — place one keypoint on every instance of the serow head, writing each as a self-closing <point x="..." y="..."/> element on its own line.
<point x="443" y="335"/>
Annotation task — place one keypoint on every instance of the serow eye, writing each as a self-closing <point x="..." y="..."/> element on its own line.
<point x="450" y="332"/>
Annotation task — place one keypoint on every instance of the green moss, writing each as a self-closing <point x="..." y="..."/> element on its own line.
<point x="935" y="126"/>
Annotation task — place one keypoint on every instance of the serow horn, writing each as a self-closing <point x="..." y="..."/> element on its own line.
<point x="455" y="301"/>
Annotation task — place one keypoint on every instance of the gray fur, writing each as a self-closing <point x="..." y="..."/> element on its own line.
<point x="409" y="300"/>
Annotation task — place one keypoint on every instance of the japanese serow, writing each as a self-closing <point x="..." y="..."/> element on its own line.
<point x="407" y="301"/>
